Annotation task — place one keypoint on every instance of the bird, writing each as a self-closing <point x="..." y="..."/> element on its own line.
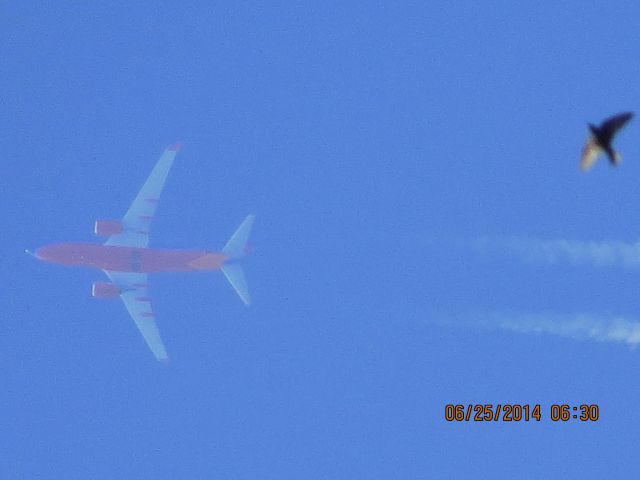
<point x="600" y="140"/>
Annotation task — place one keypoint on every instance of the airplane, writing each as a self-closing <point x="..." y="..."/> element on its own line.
<point x="127" y="260"/>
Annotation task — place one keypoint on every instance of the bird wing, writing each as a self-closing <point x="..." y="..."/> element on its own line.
<point x="590" y="154"/>
<point x="612" y="124"/>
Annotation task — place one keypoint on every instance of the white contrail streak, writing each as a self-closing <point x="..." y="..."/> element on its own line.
<point x="615" y="329"/>
<point x="582" y="326"/>
<point x="604" y="253"/>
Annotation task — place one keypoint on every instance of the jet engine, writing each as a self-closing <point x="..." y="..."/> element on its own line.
<point x="104" y="290"/>
<point x="106" y="228"/>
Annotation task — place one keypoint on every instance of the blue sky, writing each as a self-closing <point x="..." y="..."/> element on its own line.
<point x="414" y="172"/>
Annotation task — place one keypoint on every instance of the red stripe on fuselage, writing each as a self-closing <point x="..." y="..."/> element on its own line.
<point x="128" y="259"/>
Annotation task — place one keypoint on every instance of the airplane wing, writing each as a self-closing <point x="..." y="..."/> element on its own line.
<point x="138" y="218"/>
<point x="136" y="298"/>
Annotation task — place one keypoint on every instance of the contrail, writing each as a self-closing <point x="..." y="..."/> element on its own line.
<point x="604" y="253"/>
<point x="615" y="329"/>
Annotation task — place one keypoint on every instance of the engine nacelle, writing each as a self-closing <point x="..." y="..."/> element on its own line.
<point x="103" y="290"/>
<point x="106" y="228"/>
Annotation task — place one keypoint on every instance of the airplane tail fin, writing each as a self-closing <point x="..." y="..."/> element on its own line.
<point x="235" y="249"/>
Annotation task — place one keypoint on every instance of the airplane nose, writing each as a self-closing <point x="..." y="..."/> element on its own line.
<point x="41" y="253"/>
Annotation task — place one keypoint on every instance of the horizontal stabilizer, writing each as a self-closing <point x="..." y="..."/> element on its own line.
<point x="236" y="246"/>
<point x="235" y="275"/>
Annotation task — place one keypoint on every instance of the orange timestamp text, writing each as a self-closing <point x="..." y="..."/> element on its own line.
<point x="514" y="412"/>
